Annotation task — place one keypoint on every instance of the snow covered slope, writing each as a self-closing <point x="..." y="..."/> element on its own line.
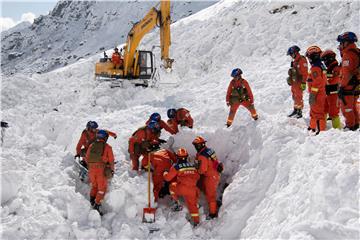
<point x="283" y="183"/>
<point x="77" y="29"/>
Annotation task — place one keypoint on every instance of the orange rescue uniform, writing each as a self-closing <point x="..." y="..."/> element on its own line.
<point x="139" y="143"/>
<point x="116" y="60"/>
<point x="88" y="137"/>
<point x="299" y="64"/>
<point x="96" y="171"/>
<point x="349" y="78"/>
<point x="186" y="179"/>
<point x="239" y="93"/>
<point x="333" y="79"/>
<point x="316" y="86"/>
<point x="163" y="125"/>
<point x="182" y="118"/>
<point x="210" y="177"/>
<point x="161" y="161"/>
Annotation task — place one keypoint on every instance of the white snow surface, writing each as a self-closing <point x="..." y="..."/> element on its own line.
<point x="284" y="183"/>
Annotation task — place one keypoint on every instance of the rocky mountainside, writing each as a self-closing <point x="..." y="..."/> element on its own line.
<point x="74" y="30"/>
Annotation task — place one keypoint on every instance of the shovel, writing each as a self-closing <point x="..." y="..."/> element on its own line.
<point x="149" y="212"/>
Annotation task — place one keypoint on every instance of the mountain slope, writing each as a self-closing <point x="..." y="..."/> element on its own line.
<point x="283" y="182"/>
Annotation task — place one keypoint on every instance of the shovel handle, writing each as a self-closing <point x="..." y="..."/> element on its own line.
<point x="149" y="204"/>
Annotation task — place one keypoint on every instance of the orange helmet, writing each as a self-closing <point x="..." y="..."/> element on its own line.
<point x="313" y="51"/>
<point x="182" y="153"/>
<point x="199" y="140"/>
<point x="327" y="55"/>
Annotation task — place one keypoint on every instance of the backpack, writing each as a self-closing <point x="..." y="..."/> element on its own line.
<point x="96" y="152"/>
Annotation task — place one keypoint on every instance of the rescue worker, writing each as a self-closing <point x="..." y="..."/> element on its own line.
<point x="186" y="176"/>
<point x="239" y="93"/>
<point x="87" y="137"/>
<point x="100" y="159"/>
<point x="297" y="79"/>
<point x="116" y="59"/>
<point x="180" y="116"/>
<point x="210" y="169"/>
<point x="316" y="87"/>
<point x="332" y="84"/>
<point x="160" y="161"/>
<point x="350" y="79"/>
<point x="140" y="141"/>
<point x="163" y="125"/>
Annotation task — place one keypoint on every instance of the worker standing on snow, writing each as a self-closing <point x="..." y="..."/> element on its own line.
<point x="297" y="79"/>
<point x="316" y="86"/>
<point x="332" y="106"/>
<point x="87" y="137"/>
<point x="180" y="117"/>
<point x="210" y="169"/>
<point x="163" y="125"/>
<point x="350" y="79"/>
<point x="160" y="161"/>
<point x="239" y="93"/>
<point x="100" y="159"/>
<point x="186" y="176"/>
<point x="139" y="142"/>
<point x="116" y="59"/>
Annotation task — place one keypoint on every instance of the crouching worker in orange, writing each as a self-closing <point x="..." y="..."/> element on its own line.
<point x="116" y="59"/>
<point x="88" y="136"/>
<point x="163" y="125"/>
<point x="239" y="93"/>
<point x="209" y="169"/>
<point x="180" y="117"/>
<point x="297" y="79"/>
<point x="161" y="161"/>
<point x="139" y="142"/>
<point x="332" y="106"/>
<point x="316" y="85"/>
<point x="186" y="177"/>
<point x="100" y="159"/>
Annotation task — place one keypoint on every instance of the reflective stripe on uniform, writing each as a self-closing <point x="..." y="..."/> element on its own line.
<point x="194" y="214"/>
<point x="172" y="192"/>
<point x="187" y="169"/>
<point x="334" y="92"/>
<point x="101" y="192"/>
<point x="314" y="89"/>
<point x="348" y="110"/>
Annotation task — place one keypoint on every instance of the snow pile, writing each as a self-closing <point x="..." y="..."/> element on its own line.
<point x="283" y="182"/>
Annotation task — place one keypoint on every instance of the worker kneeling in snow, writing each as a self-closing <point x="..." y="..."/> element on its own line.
<point x="186" y="176"/>
<point x="209" y="169"/>
<point x="140" y="141"/>
<point x="180" y="117"/>
<point x="239" y="93"/>
<point x="157" y="118"/>
<point x="161" y="161"/>
<point x="100" y="159"/>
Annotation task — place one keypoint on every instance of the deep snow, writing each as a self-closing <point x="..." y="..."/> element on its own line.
<point x="283" y="183"/>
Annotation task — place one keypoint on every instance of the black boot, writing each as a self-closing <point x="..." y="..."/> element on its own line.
<point x="299" y="113"/>
<point x="97" y="208"/>
<point x="92" y="201"/>
<point x="293" y="113"/>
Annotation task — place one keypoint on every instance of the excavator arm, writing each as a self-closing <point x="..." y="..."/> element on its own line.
<point x="152" y="19"/>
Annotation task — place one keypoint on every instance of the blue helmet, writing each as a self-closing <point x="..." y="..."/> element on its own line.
<point x="102" y="134"/>
<point x="92" y="125"/>
<point x="171" y="113"/>
<point x="154" y="126"/>
<point x="155" y="117"/>
<point x="236" y="72"/>
<point x="292" y="50"/>
<point x="347" y="37"/>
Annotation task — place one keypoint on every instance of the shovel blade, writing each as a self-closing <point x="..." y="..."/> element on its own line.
<point x="149" y="215"/>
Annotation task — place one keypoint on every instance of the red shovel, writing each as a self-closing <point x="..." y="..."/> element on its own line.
<point x="149" y="212"/>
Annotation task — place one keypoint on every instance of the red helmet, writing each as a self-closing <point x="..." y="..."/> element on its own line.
<point x="182" y="153"/>
<point x="199" y="140"/>
<point x="313" y="51"/>
<point x="327" y="55"/>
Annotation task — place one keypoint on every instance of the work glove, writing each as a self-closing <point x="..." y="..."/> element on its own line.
<point x="165" y="173"/>
<point x="77" y="156"/>
<point x="190" y="127"/>
<point x="312" y="98"/>
<point x="161" y="140"/>
<point x="303" y="86"/>
<point x="341" y="95"/>
<point x="220" y="168"/>
<point x="227" y="104"/>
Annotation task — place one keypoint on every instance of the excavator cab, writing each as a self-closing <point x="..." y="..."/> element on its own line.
<point x="146" y="64"/>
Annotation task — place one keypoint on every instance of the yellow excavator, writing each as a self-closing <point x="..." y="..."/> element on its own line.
<point x="138" y="66"/>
